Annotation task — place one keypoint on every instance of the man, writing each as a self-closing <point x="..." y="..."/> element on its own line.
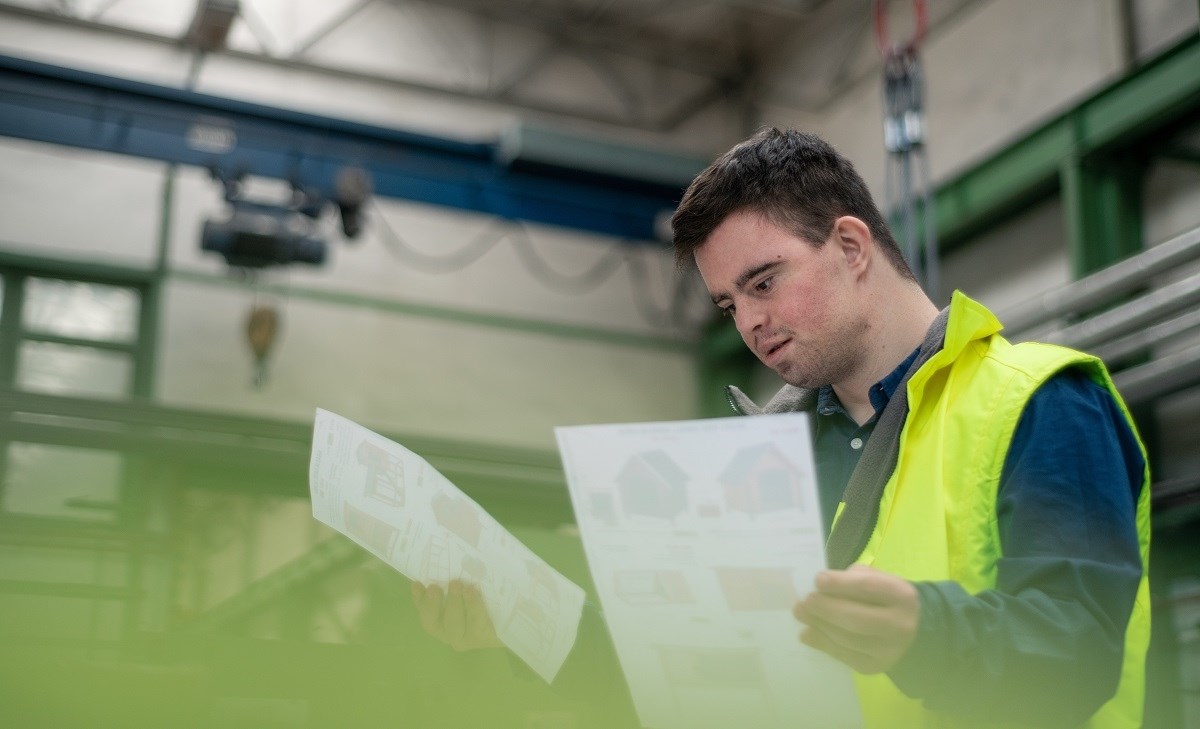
<point x="993" y="500"/>
<point x="988" y="503"/>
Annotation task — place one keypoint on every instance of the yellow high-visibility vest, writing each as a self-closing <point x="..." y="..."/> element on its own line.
<point x="937" y="515"/>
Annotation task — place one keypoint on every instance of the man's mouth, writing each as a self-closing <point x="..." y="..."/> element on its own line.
<point x="773" y="349"/>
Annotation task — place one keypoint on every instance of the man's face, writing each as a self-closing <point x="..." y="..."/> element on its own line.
<point x="794" y="304"/>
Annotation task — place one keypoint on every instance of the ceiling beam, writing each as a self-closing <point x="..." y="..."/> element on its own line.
<point x="82" y="109"/>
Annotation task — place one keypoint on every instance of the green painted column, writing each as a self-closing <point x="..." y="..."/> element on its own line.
<point x="1102" y="202"/>
<point x="146" y="356"/>
<point x="10" y="327"/>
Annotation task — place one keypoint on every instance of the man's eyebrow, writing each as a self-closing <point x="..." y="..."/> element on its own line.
<point x="751" y="273"/>
<point x="747" y="276"/>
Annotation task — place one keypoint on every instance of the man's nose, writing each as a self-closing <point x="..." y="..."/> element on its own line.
<point x="748" y="317"/>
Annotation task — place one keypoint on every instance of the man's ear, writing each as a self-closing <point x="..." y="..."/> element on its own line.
<point x="853" y="238"/>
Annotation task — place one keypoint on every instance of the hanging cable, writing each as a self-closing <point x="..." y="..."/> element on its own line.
<point x="650" y="311"/>
<point x="581" y="283"/>
<point x="904" y="138"/>
<point x="429" y="263"/>
<point x="673" y="314"/>
<point x="522" y="243"/>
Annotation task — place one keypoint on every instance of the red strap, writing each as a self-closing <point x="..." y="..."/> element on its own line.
<point x="881" y="30"/>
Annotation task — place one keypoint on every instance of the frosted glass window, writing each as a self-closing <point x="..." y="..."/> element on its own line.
<point x="79" y="309"/>
<point x="63" y="369"/>
<point x="60" y="481"/>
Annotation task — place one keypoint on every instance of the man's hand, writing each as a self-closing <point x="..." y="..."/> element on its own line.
<point x="456" y="617"/>
<point x="865" y="618"/>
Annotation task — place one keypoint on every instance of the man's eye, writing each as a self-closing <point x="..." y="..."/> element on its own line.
<point x="765" y="284"/>
<point x="727" y="311"/>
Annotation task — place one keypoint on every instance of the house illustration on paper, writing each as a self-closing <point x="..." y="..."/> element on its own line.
<point x="603" y="506"/>
<point x="760" y="479"/>
<point x="651" y="484"/>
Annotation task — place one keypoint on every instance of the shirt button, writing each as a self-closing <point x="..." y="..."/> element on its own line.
<point x="856" y="443"/>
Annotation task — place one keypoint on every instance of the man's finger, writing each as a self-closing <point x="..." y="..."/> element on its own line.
<point x="859" y="661"/>
<point x="453" y="617"/>
<point x="429" y="610"/>
<point x="864" y="584"/>
<point x="478" y="620"/>
<point x="850" y="640"/>
<point x="852" y="616"/>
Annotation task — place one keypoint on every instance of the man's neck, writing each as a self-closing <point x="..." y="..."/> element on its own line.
<point x="900" y="322"/>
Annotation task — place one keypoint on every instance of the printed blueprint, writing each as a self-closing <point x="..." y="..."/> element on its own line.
<point x="701" y="536"/>
<point x="393" y="503"/>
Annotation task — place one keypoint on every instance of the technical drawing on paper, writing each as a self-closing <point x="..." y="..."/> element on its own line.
<point x="392" y="502"/>
<point x="757" y="588"/>
<point x="385" y="474"/>
<point x="725" y="680"/>
<point x="652" y="587"/>
<point x="374" y="534"/>
<point x="706" y="540"/>
<point x="529" y="616"/>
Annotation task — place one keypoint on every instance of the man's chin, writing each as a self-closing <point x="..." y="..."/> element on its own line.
<point x="799" y="379"/>
<point x="793" y="378"/>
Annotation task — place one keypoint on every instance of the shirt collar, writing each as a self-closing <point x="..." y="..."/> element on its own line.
<point x="880" y="393"/>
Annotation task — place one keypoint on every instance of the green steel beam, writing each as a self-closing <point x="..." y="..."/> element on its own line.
<point x="517" y="485"/>
<point x="1008" y="181"/>
<point x="1126" y="113"/>
<point x="101" y="273"/>
<point x="123" y="347"/>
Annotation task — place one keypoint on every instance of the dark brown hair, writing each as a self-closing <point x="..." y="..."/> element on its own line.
<point x="797" y="180"/>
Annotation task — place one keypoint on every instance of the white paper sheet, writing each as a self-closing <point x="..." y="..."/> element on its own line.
<point x="393" y="503"/>
<point x="701" y="536"/>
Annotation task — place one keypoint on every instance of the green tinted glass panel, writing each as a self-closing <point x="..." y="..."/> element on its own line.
<point x="60" y="481"/>
<point x="61" y="369"/>
<point x="79" y="309"/>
